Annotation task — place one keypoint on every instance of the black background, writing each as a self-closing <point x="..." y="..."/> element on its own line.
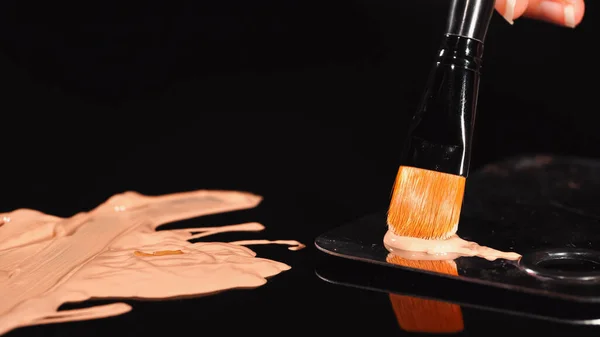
<point x="304" y="102"/>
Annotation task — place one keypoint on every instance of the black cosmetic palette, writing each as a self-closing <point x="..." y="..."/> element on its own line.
<point x="546" y="208"/>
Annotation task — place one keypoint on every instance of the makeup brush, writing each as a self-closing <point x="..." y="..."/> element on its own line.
<point x="428" y="192"/>
<point x="423" y="315"/>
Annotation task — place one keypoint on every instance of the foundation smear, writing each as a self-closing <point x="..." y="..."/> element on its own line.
<point x="114" y="251"/>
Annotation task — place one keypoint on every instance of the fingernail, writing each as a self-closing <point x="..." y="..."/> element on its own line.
<point x="553" y="9"/>
<point x="569" y="12"/>
<point x="509" y="11"/>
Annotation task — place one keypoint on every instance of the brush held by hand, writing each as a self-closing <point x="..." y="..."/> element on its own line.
<point x="428" y="192"/>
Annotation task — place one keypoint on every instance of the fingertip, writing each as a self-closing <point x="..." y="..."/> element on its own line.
<point x="568" y="13"/>
<point x="520" y="8"/>
<point x="511" y="9"/>
<point x="573" y="12"/>
<point x="579" y="11"/>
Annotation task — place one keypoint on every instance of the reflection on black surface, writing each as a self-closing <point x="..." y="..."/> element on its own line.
<point x="424" y="315"/>
<point x="432" y="301"/>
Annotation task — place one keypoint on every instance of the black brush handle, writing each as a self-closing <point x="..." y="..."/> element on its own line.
<point x="470" y="18"/>
<point x="442" y="129"/>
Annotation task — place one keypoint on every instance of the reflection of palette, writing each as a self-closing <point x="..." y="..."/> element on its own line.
<point x="543" y="207"/>
<point x="439" y="301"/>
<point x="424" y="315"/>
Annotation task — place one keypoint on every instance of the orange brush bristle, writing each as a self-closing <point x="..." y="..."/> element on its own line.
<point x="425" y="204"/>
<point x="422" y="315"/>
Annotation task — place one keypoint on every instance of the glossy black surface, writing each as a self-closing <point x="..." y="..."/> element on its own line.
<point x="470" y="18"/>
<point x="304" y="102"/>
<point x="440" y="136"/>
<point x="441" y="131"/>
<point x="569" y="265"/>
